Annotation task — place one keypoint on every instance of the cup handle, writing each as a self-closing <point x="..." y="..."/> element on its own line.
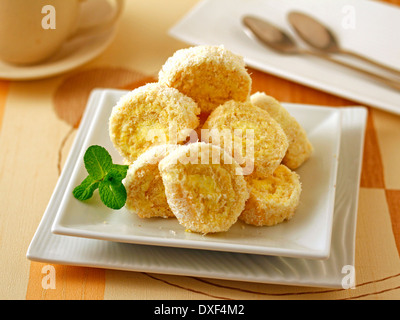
<point x="119" y="6"/>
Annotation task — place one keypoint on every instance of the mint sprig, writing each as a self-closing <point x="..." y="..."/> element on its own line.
<point x="103" y="175"/>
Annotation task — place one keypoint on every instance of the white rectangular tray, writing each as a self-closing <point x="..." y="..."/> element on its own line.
<point x="218" y="22"/>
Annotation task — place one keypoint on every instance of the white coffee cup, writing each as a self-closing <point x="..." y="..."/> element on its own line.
<point x="33" y="30"/>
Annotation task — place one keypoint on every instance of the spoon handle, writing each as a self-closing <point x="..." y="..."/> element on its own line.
<point x="373" y="62"/>
<point x="389" y="82"/>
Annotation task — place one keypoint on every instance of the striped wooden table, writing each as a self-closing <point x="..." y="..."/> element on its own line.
<point x="38" y="122"/>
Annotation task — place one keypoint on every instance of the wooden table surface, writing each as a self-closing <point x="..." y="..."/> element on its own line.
<point x="38" y="122"/>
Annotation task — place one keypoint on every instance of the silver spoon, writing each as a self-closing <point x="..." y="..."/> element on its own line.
<point x="278" y="40"/>
<point x="320" y="37"/>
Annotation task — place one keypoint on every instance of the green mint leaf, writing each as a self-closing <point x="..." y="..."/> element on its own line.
<point x="118" y="171"/>
<point x="112" y="193"/>
<point x="85" y="190"/>
<point x="97" y="162"/>
<point x="105" y="176"/>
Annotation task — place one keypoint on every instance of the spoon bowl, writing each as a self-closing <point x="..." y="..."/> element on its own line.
<point x="270" y="35"/>
<point x="320" y="37"/>
<point x="313" y="32"/>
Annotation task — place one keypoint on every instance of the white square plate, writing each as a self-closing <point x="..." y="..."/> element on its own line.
<point x="307" y="235"/>
<point x="362" y="26"/>
<point x="51" y="248"/>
